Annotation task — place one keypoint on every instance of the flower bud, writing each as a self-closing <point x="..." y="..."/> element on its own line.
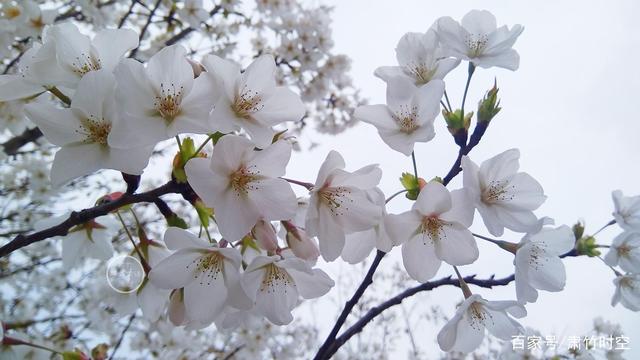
<point x="196" y="66"/>
<point x="489" y="106"/>
<point x="300" y="243"/>
<point x="587" y="246"/>
<point x="176" y="308"/>
<point x="412" y="185"/>
<point x="265" y="235"/>
<point x="458" y="125"/>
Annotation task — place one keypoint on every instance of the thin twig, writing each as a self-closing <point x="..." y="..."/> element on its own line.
<point x="124" y="332"/>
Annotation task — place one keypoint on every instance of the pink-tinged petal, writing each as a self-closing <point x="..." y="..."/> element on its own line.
<point x="76" y="160"/>
<point x="230" y="152"/>
<point x="419" y="259"/>
<point x="332" y="162"/>
<point x="112" y="44"/>
<point x="434" y="199"/>
<point x="177" y="270"/>
<point x="236" y="297"/>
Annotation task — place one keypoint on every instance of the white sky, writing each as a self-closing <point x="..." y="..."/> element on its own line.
<point x="570" y="109"/>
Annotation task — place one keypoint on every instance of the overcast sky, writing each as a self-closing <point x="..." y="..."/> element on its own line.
<point x="571" y="109"/>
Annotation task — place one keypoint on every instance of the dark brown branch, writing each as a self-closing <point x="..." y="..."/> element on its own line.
<point x="12" y="63"/>
<point x="186" y="31"/>
<point x="478" y="132"/>
<point x="430" y="285"/>
<point x="14" y="144"/>
<point x="127" y="14"/>
<point x="124" y="332"/>
<point x="145" y="27"/>
<point x="77" y="218"/>
<point x="368" y="280"/>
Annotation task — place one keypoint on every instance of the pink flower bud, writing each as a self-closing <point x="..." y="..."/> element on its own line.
<point x="265" y="235"/>
<point x="300" y="243"/>
<point x="176" y="308"/>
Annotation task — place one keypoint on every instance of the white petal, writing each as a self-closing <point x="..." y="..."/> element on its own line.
<point x="59" y="126"/>
<point x="358" y="246"/>
<point x="457" y="245"/>
<point x="274" y="198"/>
<point x="205" y="296"/>
<point x="175" y="271"/>
<point x="332" y="162"/>
<point x="177" y="238"/>
<point x="74" y="160"/>
<point x="112" y="44"/>
<point x="169" y="68"/>
<point x="434" y="199"/>
<point x="311" y="286"/>
<point x="502" y="326"/>
<point x="419" y="259"/>
<point x="281" y="106"/>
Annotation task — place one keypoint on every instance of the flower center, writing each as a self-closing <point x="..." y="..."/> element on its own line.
<point x="95" y="131"/>
<point x="627" y="282"/>
<point x="421" y="72"/>
<point x="168" y="102"/>
<point x="477" y="316"/>
<point x="623" y="250"/>
<point x="476" y="43"/>
<point x="432" y="227"/>
<point x="12" y="12"/>
<point x="241" y="180"/>
<point x="208" y="267"/>
<point x="336" y="199"/>
<point x="274" y="277"/>
<point x="85" y="63"/>
<point x="406" y="118"/>
<point x="37" y="22"/>
<point x="247" y="103"/>
<point x="497" y="191"/>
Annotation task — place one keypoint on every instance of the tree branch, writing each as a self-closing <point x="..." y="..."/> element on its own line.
<point x="14" y="144"/>
<point x="77" y="218"/>
<point x="368" y="280"/>
<point x="186" y="31"/>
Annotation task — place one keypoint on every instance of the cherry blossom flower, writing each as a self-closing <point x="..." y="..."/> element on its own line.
<point x="466" y="329"/>
<point x="265" y="235"/>
<point x="91" y="239"/>
<point x="251" y="100"/>
<point x="627" y="291"/>
<point x="537" y="262"/>
<point x="434" y="230"/>
<point x="408" y="116"/>
<point x="358" y="245"/>
<point x="274" y="285"/>
<point x="149" y="298"/>
<point x="627" y="211"/>
<point x="242" y="184"/>
<point x="75" y="54"/>
<point x="479" y="40"/>
<point x="625" y="251"/>
<point x="503" y="196"/>
<point x="25" y="82"/>
<point x="209" y="275"/>
<point x="339" y="204"/>
<point x="193" y="13"/>
<point x="160" y="100"/>
<point x="83" y="132"/>
<point x="420" y="59"/>
<point x="30" y="19"/>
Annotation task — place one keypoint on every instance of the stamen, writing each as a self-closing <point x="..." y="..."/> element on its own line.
<point x="476" y="43"/>
<point x="336" y="198"/>
<point x="247" y="103"/>
<point x="242" y="180"/>
<point x="95" y="131"/>
<point x="208" y="267"/>
<point x="497" y="191"/>
<point x="274" y="277"/>
<point x="168" y="102"/>
<point x="85" y="63"/>
<point x="406" y="118"/>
